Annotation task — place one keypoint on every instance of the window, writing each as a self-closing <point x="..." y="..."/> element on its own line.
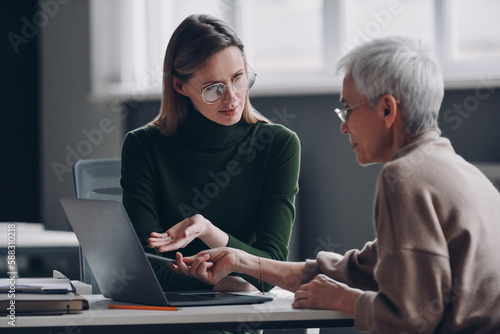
<point x="368" y="19"/>
<point x="129" y="39"/>
<point x="285" y="43"/>
<point x="470" y="41"/>
<point x="293" y="45"/>
<point x="275" y="28"/>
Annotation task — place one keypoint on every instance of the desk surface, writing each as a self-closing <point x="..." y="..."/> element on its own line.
<point x="277" y="314"/>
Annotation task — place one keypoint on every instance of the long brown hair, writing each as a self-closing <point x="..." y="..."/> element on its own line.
<point x="194" y="41"/>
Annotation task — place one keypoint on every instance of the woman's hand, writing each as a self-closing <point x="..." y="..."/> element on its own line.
<point x="181" y="234"/>
<point x="209" y="266"/>
<point x="326" y="293"/>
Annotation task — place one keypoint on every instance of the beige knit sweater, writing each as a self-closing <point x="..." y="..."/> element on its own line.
<point x="435" y="265"/>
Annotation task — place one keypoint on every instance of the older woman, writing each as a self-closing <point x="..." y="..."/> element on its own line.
<point x="435" y="265"/>
<point x="209" y="171"/>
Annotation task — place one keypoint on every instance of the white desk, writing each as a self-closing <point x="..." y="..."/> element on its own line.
<point x="277" y="314"/>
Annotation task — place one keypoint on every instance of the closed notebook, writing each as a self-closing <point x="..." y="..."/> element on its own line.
<point x="36" y="285"/>
<point x="36" y="303"/>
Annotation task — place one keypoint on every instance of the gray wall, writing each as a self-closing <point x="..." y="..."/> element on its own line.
<point x="72" y="126"/>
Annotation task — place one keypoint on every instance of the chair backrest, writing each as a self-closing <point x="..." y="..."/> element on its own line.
<point x="96" y="179"/>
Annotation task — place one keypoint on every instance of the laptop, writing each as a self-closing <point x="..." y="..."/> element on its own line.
<point x="119" y="263"/>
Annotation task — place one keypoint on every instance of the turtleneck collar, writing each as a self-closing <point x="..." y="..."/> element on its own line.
<point x="200" y="131"/>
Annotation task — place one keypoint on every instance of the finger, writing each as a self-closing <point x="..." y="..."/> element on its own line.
<point x="300" y="294"/>
<point x="301" y="299"/>
<point x="159" y="242"/>
<point x="174" y="267"/>
<point x="305" y="287"/>
<point x="173" y="246"/>
<point x="177" y="241"/>
<point x="152" y="245"/>
<point x="159" y="235"/>
<point x="184" y="269"/>
<point x="301" y="303"/>
<point x="179" y="258"/>
<point x="202" y="268"/>
<point x="189" y="260"/>
<point x="203" y="272"/>
<point x="159" y="239"/>
<point x="198" y="264"/>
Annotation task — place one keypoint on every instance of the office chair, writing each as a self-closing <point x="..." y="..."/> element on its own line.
<point x="96" y="179"/>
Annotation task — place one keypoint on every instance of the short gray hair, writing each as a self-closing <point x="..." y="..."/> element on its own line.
<point x="404" y="68"/>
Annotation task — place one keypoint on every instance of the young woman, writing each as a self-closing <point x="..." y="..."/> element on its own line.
<point x="209" y="171"/>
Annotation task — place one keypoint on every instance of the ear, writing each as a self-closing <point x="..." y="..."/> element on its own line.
<point x="391" y="111"/>
<point x="178" y="85"/>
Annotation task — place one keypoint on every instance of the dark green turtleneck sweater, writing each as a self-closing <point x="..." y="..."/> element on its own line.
<point x="243" y="178"/>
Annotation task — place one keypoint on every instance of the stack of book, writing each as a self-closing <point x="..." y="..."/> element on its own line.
<point x="21" y="296"/>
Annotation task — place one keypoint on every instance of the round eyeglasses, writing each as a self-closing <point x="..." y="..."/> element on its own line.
<point x="344" y="113"/>
<point x="241" y="83"/>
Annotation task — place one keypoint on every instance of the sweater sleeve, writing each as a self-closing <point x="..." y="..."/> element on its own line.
<point x="355" y="268"/>
<point x="413" y="271"/>
<point x="277" y="210"/>
<point x="139" y="201"/>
